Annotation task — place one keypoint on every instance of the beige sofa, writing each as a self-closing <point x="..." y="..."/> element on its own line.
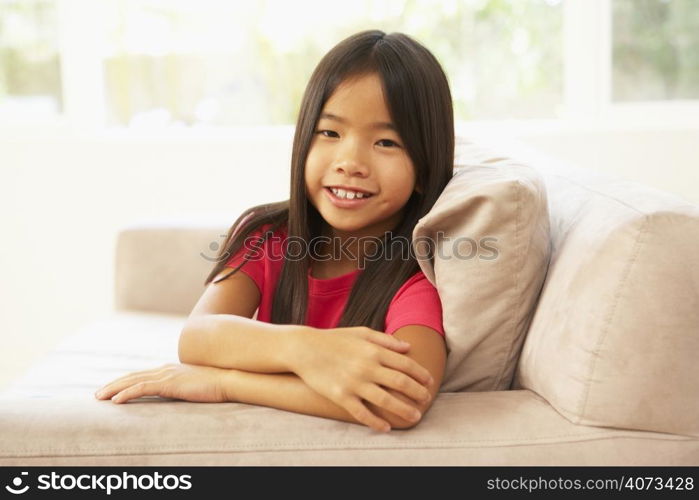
<point x="607" y="374"/>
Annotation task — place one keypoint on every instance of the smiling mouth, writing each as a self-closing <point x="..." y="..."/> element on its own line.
<point x="346" y="202"/>
<point x="364" y="196"/>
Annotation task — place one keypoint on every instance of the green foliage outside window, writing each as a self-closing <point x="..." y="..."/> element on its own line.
<point x="247" y="63"/>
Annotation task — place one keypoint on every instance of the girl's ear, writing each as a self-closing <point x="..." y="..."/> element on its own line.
<point x="418" y="188"/>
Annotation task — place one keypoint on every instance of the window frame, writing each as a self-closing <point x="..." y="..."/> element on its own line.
<point x="587" y="60"/>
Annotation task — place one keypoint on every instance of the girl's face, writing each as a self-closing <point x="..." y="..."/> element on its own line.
<point x="355" y="145"/>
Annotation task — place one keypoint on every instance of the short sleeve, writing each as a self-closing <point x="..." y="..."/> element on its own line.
<point x="255" y="266"/>
<point x="416" y="303"/>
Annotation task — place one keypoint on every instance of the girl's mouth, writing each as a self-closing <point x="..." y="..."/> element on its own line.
<point x="345" y="202"/>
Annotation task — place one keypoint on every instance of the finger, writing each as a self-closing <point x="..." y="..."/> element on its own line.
<point x="363" y="415"/>
<point x="117" y="381"/>
<point x="406" y="365"/>
<point x="403" y="383"/>
<point x="112" y="388"/>
<point x="150" y="388"/>
<point x="134" y="374"/>
<point x="387" y="341"/>
<point x="383" y="399"/>
<point x="116" y="385"/>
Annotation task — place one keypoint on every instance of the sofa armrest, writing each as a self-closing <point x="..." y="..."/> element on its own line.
<point x="499" y="428"/>
<point x="161" y="266"/>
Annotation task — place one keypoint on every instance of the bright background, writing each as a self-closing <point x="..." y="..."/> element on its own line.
<point x="113" y="112"/>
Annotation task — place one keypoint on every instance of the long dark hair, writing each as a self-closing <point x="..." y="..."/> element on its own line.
<point x="419" y="102"/>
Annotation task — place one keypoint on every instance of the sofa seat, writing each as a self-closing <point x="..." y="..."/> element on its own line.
<point x="54" y="404"/>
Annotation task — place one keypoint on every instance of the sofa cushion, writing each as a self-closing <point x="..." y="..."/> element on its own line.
<point x="161" y="265"/>
<point x="50" y="417"/>
<point x="466" y="428"/>
<point x="615" y="338"/>
<point x="489" y="234"/>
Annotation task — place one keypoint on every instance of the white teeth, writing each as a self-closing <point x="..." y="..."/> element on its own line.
<point x="350" y="195"/>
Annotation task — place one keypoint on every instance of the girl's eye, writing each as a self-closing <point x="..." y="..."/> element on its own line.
<point x="321" y="132"/>
<point x="391" y="142"/>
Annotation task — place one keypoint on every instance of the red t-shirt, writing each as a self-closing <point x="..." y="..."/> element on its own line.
<point x="415" y="303"/>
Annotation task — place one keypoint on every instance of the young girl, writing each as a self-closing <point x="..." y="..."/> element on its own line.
<point x="330" y="271"/>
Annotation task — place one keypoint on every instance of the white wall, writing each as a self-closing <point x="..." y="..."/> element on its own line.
<point x="63" y="197"/>
<point x="664" y="158"/>
<point x="62" y="201"/>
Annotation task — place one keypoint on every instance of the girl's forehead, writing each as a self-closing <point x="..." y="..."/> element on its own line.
<point x="361" y="98"/>
<point x="369" y="83"/>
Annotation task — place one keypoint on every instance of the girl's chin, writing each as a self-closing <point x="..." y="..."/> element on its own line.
<point x="346" y="223"/>
<point x="343" y="227"/>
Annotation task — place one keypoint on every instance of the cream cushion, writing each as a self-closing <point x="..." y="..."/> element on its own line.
<point x="615" y="339"/>
<point x="489" y="231"/>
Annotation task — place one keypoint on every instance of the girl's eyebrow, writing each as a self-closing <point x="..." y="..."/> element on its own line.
<point x="377" y="125"/>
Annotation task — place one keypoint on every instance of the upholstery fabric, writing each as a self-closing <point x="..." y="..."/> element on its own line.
<point x="50" y="417"/>
<point x="606" y="375"/>
<point x="615" y="338"/>
<point x="489" y="233"/>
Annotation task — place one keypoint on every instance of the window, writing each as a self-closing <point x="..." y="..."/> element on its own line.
<point x="166" y="62"/>
<point x="655" y="50"/>
<point x="230" y="63"/>
<point x="155" y="63"/>
<point x="30" y="77"/>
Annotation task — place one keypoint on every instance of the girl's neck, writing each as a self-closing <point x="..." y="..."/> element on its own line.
<point x="329" y="269"/>
<point x="337" y="256"/>
<point x="343" y="254"/>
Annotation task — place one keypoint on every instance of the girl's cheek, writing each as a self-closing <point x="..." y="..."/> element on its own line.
<point x="313" y="158"/>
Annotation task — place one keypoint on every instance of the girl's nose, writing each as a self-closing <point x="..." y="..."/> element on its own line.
<point x="351" y="159"/>
<point x="351" y="167"/>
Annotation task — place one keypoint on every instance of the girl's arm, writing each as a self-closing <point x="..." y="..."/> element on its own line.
<point x="342" y="375"/>
<point x="220" y="331"/>
<point x="232" y="341"/>
<point x="289" y="392"/>
<point x="350" y="367"/>
<point x="354" y="367"/>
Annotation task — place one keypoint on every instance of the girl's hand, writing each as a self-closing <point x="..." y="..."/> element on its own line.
<point x="200" y="384"/>
<point x="351" y="364"/>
